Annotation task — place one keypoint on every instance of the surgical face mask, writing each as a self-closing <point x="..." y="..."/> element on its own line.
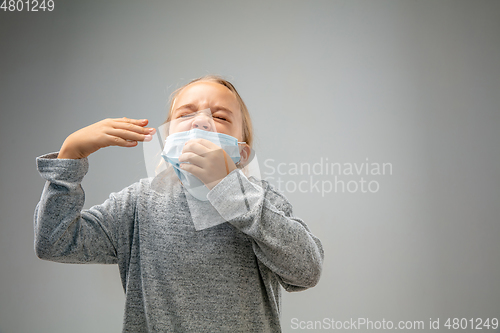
<point x="173" y="149"/>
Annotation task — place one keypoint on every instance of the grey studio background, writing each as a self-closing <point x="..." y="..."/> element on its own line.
<point x="415" y="84"/>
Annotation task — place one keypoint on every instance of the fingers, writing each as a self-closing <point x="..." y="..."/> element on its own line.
<point x="133" y="125"/>
<point x="197" y="154"/>
<point x="191" y="168"/>
<point x="129" y="135"/>
<point x="196" y="150"/>
<point x="118" y="141"/>
<point x="199" y="146"/>
<point x="138" y="122"/>
<point x="126" y="132"/>
<point x="192" y="158"/>
<point x="210" y="168"/>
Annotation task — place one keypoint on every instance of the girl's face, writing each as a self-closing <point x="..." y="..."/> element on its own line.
<point x="226" y="115"/>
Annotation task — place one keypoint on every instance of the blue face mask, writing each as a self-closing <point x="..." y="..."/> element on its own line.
<point x="173" y="149"/>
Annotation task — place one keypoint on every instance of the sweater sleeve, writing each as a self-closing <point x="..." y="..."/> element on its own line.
<point x="282" y="242"/>
<point x="66" y="233"/>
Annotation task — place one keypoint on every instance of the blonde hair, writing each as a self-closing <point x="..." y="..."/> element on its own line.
<point x="247" y="128"/>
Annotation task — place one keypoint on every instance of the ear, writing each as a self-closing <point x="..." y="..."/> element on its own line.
<point x="246" y="154"/>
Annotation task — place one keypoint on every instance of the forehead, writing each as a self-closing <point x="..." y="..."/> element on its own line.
<point x="206" y="94"/>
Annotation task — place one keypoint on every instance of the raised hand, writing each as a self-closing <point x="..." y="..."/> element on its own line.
<point x="123" y="132"/>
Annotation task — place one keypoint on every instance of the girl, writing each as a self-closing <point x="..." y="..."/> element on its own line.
<point x="178" y="278"/>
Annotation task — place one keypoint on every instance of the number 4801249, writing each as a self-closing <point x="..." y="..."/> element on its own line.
<point x="472" y="323"/>
<point x="27" y="5"/>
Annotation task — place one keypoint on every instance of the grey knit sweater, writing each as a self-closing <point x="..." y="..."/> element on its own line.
<point x="221" y="278"/>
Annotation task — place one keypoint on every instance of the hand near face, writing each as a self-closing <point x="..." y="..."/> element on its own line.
<point x="206" y="161"/>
